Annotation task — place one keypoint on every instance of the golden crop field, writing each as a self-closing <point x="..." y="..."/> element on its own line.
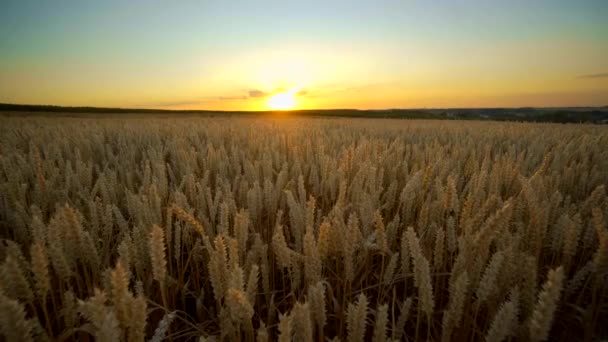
<point x="302" y="229"/>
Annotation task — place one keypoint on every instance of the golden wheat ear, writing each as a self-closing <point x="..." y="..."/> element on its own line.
<point x="13" y="323"/>
<point x="284" y="328"/>
<point x="422" y="275"/>
<point x="546" y="306"/>
<point x="357" y="319"/>
<point x="380" y="334"/>
<point x="504" y="323"/>
<point x="157" y="254"/>
<point x="452" y="317"/>
<point x="303" y="327"/>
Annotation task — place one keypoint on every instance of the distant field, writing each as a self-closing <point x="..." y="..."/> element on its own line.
<point x="558" y="115"/>
<point x="278" y="228"/>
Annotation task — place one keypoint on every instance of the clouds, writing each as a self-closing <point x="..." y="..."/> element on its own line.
<point x="229" y="98"/>
<point x="598" y="75"/>
<point x="256" y="93"/>
<point x="245" y="95"/>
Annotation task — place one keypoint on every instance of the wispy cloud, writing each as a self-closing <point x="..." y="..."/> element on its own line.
<point x="598" y="75"/>
<point x="253" y="93"/>
<point x="257" y="93"/>
<point x="248" y="94"/>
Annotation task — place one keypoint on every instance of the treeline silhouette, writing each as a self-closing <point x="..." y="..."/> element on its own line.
<point x="527" y="114"/>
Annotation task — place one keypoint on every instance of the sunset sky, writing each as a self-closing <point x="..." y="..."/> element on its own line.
<point x="257" y="55"/>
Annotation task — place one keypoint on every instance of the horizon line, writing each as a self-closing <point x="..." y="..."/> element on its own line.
<point x="143" y="109"/>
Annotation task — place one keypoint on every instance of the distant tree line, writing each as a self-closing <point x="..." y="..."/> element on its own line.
<point x="527" y="114"/>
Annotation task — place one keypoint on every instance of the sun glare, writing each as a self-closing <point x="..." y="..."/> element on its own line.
<point x="283" y="101"/>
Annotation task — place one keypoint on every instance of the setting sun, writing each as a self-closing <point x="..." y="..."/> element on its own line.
<point x="283" y="101"/>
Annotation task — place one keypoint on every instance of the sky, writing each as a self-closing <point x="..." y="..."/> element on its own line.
<point x="259" y="55"/>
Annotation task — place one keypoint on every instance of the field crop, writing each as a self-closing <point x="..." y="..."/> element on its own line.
<point x="304" y="229"/>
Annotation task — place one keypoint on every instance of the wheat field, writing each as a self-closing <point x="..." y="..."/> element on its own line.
<point x="302" y="229"/>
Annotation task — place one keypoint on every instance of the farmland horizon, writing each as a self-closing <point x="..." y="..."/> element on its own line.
<point x="42" y="107"/>
<point x="530" y="114"/>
